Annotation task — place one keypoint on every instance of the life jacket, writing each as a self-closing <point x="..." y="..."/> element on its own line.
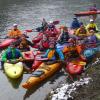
<point x="64" y="38"/>
<point x="45" y="44"/>
<point x="14" y="33"/>
<point x="92" y="27"/>
<point x="82" y="32"/>
<point x="53" y="54"/>
<point x="10" y="55"/>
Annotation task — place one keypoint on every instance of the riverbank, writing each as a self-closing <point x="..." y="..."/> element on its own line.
<point x="87" y="88"/>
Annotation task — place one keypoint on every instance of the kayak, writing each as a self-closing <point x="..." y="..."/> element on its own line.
<point x="13" y="71"/>
<point x="37" y="63"/>
<point x="87" y="13"/>
<point x="42" y="73"/>
<point x="6" y="43"/>
<point x="75" y="67"/>
<point x="28" y="56"/>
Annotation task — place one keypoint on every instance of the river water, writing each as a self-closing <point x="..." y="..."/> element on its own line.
<point x="28" y="14"/>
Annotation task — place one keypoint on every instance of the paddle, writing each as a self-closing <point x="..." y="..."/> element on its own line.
<point x="34" y="30"/>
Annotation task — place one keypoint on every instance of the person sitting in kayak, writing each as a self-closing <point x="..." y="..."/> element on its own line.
<point x="91" y="39"/>
<point x="23" y="43"/>
<point x="15" y="32"/>
<point x="93" y="8"/>
<point x="81" y="32"/>
<point x="92" y="26"/>
<point x="53" y="53"/>
<point x="43" y="26"/>
<point x="51" y="30"/>
<point x="75" y="23"/>
<point x="64" y="36"/>
<point x="43" y="45"/>
<point x="13" y="55"/>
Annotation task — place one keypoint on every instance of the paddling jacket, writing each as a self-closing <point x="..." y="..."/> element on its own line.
<point x="91" y="39"/>
<point x="81" y="32"/>
<point x="64" y="38"/>
<point x="14" y="33"/>
<point x="92" y="26"/>
<point x="54" y="54"/>
<point x="75" y="24"/>
<point x="11" y="54"/>
<point x="44" y="45"/>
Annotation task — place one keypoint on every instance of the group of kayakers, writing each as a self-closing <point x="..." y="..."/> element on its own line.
<point x="55" y="42"/>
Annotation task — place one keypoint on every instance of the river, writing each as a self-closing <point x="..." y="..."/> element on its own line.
<point x="28" y="14"/>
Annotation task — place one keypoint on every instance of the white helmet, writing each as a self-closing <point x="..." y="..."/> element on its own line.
<point x="14" y="25"/>
<point x="91" y="20"/>
<point x="50" y="22"/>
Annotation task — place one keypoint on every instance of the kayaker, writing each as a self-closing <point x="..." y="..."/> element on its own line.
<point x="13" y="55"/>
<point x="53" y="53"/>
<point x="64" y="36"/>
<point x="91" y="39"/>
<point x="75" y="23"/>
<point x="23" y="43"/>
<point x="43" y="26"/>
<point x="51" y="30"/>
<point x="15" y="32"/>
<point x="93" y="8"/>
<point x="92" y="26"/>
<point x="81" y="32"/>
<point x="43" y="45"/>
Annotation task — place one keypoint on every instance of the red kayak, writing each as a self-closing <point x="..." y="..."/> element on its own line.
<point x="75" y="67"/>
<point x="37" y="63"/>
<point x="6" y="43"/>
<point x="28" y="56"/>
<point x="87" y="13"/>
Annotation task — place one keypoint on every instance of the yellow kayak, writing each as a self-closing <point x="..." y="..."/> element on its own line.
<point x="13" y="70"/>
<point x="42" y="73"/>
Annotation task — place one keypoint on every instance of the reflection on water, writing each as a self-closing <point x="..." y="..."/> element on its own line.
<point x="28" y="14"/>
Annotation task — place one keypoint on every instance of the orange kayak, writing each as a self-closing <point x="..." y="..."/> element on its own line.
<point x="41" y="74"/>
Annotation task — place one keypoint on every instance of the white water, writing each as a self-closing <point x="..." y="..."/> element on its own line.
<point x="64" y="92"/>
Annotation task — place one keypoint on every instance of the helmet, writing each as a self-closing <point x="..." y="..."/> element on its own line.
<point x="14" y="25"/>
<point x="91" y="20"/>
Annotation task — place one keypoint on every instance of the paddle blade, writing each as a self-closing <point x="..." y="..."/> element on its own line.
<point x="56" y="22"/>
<point x="29" y="30"/>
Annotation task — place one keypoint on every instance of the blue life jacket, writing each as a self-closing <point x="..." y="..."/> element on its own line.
<point x="75" y="24"/>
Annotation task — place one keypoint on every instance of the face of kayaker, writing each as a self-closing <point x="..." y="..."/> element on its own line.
<point x="51" y="46"/>
<point x="92" y="22"/>
<point x="82" y="27"/>
<point x="23" y="37"/>
<point x="12" y="46"/>
<point x="65" y="29"/>
<point x="15" y="27"/>
<point x="44" y="38"/>
<point x="91" y="32"/>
